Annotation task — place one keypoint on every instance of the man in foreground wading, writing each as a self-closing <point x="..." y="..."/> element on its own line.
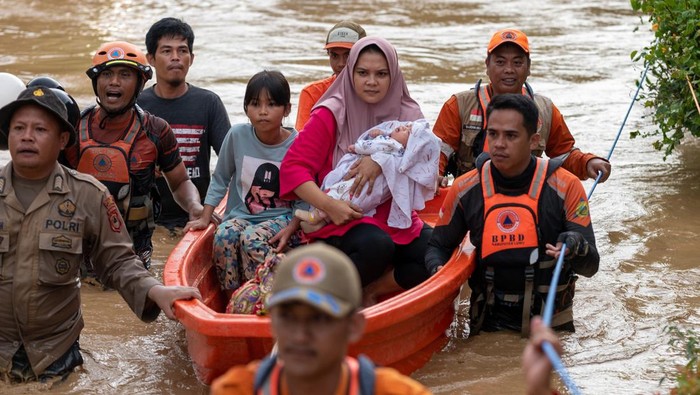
<point x="315" y="314"/>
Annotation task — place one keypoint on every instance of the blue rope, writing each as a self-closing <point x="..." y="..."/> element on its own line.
<point x="619" y="132"/>
<point x="549" y="306"/>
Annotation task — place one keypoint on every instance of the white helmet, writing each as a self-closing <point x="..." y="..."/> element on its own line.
<point x="10" y="87"/>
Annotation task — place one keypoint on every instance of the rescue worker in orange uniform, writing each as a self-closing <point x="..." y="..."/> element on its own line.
<point x="48" y="215"/>
<point x="461" y="124"/>
<point x="122" y="146"/>
<point x="339" y="41"/>
<point x="315" y="313"/>
<point x="518" y="209"/>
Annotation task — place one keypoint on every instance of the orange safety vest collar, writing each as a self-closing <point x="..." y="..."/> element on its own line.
<point x="272" y="385"/>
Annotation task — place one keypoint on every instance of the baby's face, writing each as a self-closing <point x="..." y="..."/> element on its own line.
<point x="401" y="134"/>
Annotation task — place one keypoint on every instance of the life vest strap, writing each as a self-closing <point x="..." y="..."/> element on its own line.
<point x="527" y="300"/>
<point x="138" y="213"/>
<point x="544" y="289"/>
<point x="360" y="371"/>
<point x="490" y="300"/>
<point x="547" y="264"/>
<point x="562" y="317"/>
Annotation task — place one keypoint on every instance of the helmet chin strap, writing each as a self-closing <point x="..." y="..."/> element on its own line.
<point x="109" y="114"/>
<point x="123" y="110"/>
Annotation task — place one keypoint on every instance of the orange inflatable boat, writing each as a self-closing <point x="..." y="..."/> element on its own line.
<point x="402" y="331"/>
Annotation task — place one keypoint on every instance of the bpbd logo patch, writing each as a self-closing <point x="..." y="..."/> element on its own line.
<point x="508" y="221"/>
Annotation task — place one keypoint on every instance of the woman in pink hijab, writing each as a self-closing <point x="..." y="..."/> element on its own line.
<point x="370" y="90"/>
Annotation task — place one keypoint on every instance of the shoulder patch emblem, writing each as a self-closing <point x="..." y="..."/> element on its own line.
<point x="67" y="208"/>
<point x="115" y="219"/>
<point x="582" y="209"/>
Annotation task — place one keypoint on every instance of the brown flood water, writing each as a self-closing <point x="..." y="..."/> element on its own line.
<point x="646" y="217"/>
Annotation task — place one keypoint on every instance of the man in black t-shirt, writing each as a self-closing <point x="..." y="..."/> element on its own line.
<point x="197" y="116"/>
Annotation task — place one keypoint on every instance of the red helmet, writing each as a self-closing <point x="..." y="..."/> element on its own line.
<point x="119" y="53"/>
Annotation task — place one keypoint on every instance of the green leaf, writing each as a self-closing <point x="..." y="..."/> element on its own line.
<point x="672" y="56"/>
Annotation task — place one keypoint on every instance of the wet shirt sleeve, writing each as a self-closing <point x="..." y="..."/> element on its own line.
<point x="219" y="126"/>
<point x="458" y="208"/>
<point x="578" y="219"/>
<point x="561" y="142"/>
<point x="117" y="264"/>
<point x="448" y="128"/>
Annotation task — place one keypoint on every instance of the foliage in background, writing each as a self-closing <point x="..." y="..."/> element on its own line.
<point x="673" y="58"/>
<point x="688" y="376"/>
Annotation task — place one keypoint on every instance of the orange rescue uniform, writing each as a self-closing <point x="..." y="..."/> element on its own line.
<point x="510" y="221"/>
<point x="452" y="128"/>
<point x="239" y="380"/>
<point x="308" y="97"/>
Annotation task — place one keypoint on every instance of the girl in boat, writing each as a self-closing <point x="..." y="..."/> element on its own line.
<point x="258" y="223"/>
<point x="370" y="90"/>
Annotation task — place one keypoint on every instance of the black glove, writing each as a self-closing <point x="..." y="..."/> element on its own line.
<point x="575" y="242"/>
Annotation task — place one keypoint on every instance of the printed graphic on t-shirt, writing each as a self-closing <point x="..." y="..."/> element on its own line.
<point x="260" y="180"/>
<point x="189" y="143"/>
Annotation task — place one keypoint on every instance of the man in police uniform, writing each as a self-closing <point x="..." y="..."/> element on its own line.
<point x="49" y="215"/>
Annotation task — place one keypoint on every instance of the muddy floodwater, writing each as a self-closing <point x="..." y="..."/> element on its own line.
<point x="646" y="216"/>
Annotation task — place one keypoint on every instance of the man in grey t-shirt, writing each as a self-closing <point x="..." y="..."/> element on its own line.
<point x="197" y="116"/>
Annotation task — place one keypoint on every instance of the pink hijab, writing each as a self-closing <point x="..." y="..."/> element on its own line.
<point x="353" y="115"/>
